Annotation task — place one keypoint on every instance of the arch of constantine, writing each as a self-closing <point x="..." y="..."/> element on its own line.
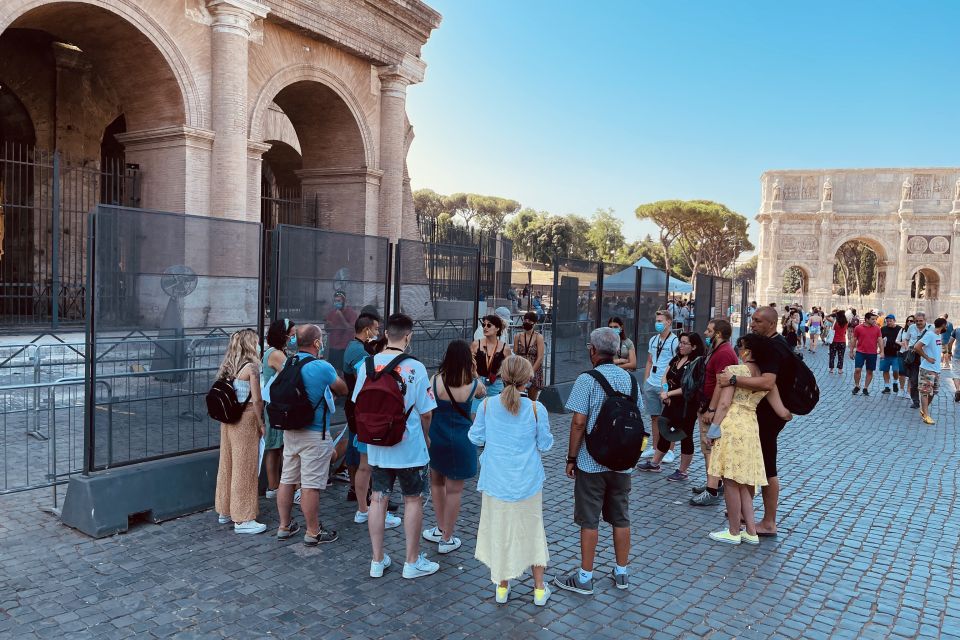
<point x="909" y="218"/>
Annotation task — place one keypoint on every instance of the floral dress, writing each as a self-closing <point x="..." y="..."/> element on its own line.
<point x="736" y="455"/>
<point x="528" y="349"/>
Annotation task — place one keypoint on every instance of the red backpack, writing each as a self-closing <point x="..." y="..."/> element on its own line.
<point x="379" y="409"/>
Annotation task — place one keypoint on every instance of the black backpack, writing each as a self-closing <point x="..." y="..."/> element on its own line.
<point x="222" y="403"/>
<point x="692" y="381"/>
<point x="290" y="408"/>
<point x="616" y="441"/>
<point x="802" y="394"/>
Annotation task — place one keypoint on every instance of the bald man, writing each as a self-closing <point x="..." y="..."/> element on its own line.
<point x="777" y="370"/>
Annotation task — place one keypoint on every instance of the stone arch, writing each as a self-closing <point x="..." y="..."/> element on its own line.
<point x="932" y="285"/>
<point x="299" y="73"/>
<point x="23" y="13"/>
<point x="880" y="247"/>
<point x="807" y="270"/>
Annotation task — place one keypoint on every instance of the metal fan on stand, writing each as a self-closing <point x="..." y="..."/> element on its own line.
<point x="170" y="352"/>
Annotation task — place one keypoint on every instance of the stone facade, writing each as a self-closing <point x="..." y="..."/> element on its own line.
<point x="909" y="217"/>
<point x="198" y="93"/>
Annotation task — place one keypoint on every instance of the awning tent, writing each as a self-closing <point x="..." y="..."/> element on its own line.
<point x="653" y="279"/>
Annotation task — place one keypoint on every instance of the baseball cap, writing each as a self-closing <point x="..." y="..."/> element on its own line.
<point x="890" y="316"/>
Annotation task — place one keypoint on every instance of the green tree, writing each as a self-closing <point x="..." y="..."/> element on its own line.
<point x="579" y="246"/>
<point x="647" y="248"/>
<point x="748" y="270"/>
<point x="553" y="234"/>
<point x="673" y="217"/>
<point x="713" y="237"/>
<point x="523" y="230"/>
<point x="793" y="280"/>
<point x="605" y="236"/>
<point x="427" y="202"/>
<point x="488" y="212"/>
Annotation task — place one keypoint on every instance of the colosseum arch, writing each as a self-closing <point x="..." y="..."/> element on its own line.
<point x="339" y="179"/>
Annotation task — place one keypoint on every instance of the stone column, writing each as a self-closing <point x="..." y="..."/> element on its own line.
<point x="232" y="20"/>
<point x="763" y="252"/>
<point x="394" y="80"/>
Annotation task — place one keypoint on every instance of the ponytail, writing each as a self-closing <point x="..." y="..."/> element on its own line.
<point x="515" y="372"/>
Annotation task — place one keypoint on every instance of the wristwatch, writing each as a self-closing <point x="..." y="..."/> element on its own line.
<point x="733" y="381"/>
<point x="571" y="460"/>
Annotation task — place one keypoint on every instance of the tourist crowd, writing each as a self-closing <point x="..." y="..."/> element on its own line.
<point x="406" y="428"/>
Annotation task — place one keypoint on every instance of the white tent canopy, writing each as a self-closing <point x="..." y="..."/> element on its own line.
<point x="653" y="279"/>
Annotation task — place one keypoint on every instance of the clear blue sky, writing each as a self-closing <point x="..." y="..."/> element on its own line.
<point x="568" y="106"/>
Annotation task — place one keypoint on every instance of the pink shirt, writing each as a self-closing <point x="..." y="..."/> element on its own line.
<point x="866" y="337"/>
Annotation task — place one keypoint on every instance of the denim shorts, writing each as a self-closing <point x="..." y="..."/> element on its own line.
<point x="870" y="359"/>
<point x="890" y="363"/>
<point x="412" y="480"/>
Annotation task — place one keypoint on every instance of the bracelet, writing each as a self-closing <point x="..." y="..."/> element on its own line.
<point x="710" y="410"/>
<point x="571" y="460"/>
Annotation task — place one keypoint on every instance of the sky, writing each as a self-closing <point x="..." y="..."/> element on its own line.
<point x="568" y="106"/>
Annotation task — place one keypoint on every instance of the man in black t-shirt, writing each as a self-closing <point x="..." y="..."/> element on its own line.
<point x="890" y="361"/>
<point x="778" y="368"/>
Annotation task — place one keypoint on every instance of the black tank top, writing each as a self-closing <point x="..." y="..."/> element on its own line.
<point x="481" y="359"/>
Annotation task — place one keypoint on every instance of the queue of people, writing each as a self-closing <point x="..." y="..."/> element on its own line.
<point x="484" y="395"/>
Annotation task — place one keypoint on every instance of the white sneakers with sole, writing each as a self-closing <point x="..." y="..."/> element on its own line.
<point x="223" y="519"/>
<point x="446" y="546"/>
<point x="669" y="457"/>
<point x="391" y="521"/>
<point x="376" y="568"/>
<point x="433" y="535"/>
<point x="250" y="526"/>
<point x="422" y="567"/>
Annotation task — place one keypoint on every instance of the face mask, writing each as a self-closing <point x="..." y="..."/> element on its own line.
<point x="707" y="341"/>
<point x="293" y="342"/>
<point x="338" y="305"/>
<point x="659" y="326"/>
<point x="527" y="326"/>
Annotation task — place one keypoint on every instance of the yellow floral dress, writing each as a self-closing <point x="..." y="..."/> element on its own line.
<point x="736" y="455"/>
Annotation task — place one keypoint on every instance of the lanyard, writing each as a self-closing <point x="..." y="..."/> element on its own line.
<point x="660" y="346"/>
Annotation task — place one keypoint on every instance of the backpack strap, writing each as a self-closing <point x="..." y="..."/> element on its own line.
<point x="392" y="365"/>
<point x="634" y="390"/>
<point x="605" y="384"/>
<point x="456" y="405"/>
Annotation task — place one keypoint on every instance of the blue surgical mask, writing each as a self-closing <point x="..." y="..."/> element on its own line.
<point x="293" y="342"/>
<point x="659" y="326"/>
<point x="338" y="305"/>
<point x="708" y="341"/>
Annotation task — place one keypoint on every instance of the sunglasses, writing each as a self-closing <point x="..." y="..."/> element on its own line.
<point x="489" y="325"/>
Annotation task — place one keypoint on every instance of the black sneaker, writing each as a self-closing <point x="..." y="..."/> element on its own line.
<point x="956" y="396"/>
<point x="323" y="537"/>
<point x="896" y="389"/>
<point x="915" y="405"/>
<point x="856" y="390"/>
<point x="866" y="392"/>
<point x="885" y="390"/>
<point x="351" y="495"/>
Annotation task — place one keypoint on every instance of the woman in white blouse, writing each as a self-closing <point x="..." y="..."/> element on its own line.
<point x="515" y="431"/>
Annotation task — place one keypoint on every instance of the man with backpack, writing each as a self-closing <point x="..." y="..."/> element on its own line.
<point x="607" y="407"/>
<point x="779" y="369"/>
<point x="393" y="405"/>
<point x="307" y="450"/>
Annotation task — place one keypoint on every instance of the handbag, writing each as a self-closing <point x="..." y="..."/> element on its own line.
<point x="910" y="357"/>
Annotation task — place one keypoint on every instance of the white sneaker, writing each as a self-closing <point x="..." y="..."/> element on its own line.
<point x="361" y="518"/>
<point x="250" y="526"/>
<point x="446" y="546"/>
<point x="540" y="597"/>
<point x="223" y="519"/>
<point x="669" y="457"/>
<point x="392" y="522"/>
<point x="271" y="494"/>
<point x="422" y="567"/>
<point x="432" y="535"/>
<point x="296" y="497"/>
<point x="376" y="568"/>
<point x="503" y="594"/>
<point x="648" y="453"/>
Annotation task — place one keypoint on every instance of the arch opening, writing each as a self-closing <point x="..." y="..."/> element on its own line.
<point x="925" y="284"/>
<point x="858" y="268"/>
<point x="796" y="281"/>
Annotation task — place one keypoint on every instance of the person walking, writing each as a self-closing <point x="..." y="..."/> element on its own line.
<point x="598" y="491"/>
<point x="929" y="347"/>
<point x="489" y="352"/>
<point x="660" y="351"/>
<point x="738" y="456"/>
<point x="902" y="339"/>
<point x="678" y="412"/>
<point x="890" y="362"/>
<point x="779" y="369"/>
<point x="307" y="452"/>
<point x="339" y="324"/>
<point x="626" y="357"/>
<point x="453" y="457"/>
<point x="280" y="334"/>
<point x="721" y="355"/>
<point x="917" y="331"/>
<point x="954" y="339"/>
<point x="815" y="322"/>
<point x="947" y="340"/>
<point x="237" y="474"/>
<point x="404" y="462"/>
<point x="839" y="344"/>
<point x="515" y="432"/>
<point x="530" y="345"/>
<point x="867" y="343"/>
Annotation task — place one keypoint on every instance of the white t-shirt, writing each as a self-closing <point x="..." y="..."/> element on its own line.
<point x="668" y="349"/>
<point x="412" y="450"/>
<point x="932" y="347"/>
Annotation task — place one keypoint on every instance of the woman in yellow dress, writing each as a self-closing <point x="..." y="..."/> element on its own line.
<point x="736" y="456"/>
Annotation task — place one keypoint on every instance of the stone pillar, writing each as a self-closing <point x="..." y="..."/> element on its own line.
<point x="823" y="286"/>
<point x="255" y="151"/>
<point x="773" y="276"/>
<point x="763" y="252"/>
<point x="339" y="195"/>
<point x="394" y="80"/>
<point x="232" y="21"/>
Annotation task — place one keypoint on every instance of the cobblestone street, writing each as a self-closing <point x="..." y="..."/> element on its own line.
<point x="868" y="547"/>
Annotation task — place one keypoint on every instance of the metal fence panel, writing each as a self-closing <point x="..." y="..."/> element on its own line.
<point x="573" y="312"/>
<point x="166" y="292"/>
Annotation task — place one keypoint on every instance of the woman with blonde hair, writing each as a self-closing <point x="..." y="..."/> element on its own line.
<point x="237" y="476"/>
<point x="515" y="431"/>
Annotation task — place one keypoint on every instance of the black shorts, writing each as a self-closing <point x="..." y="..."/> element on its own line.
<point x="606" y="494"/>
<point x="412" y="480"/>
<point x="769" y="430"/>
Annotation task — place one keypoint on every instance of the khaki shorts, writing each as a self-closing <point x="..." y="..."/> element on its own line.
<point x="306" y="459"/>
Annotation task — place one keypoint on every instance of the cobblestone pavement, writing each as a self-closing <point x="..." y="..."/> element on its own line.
<point x="867" y="549"/>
